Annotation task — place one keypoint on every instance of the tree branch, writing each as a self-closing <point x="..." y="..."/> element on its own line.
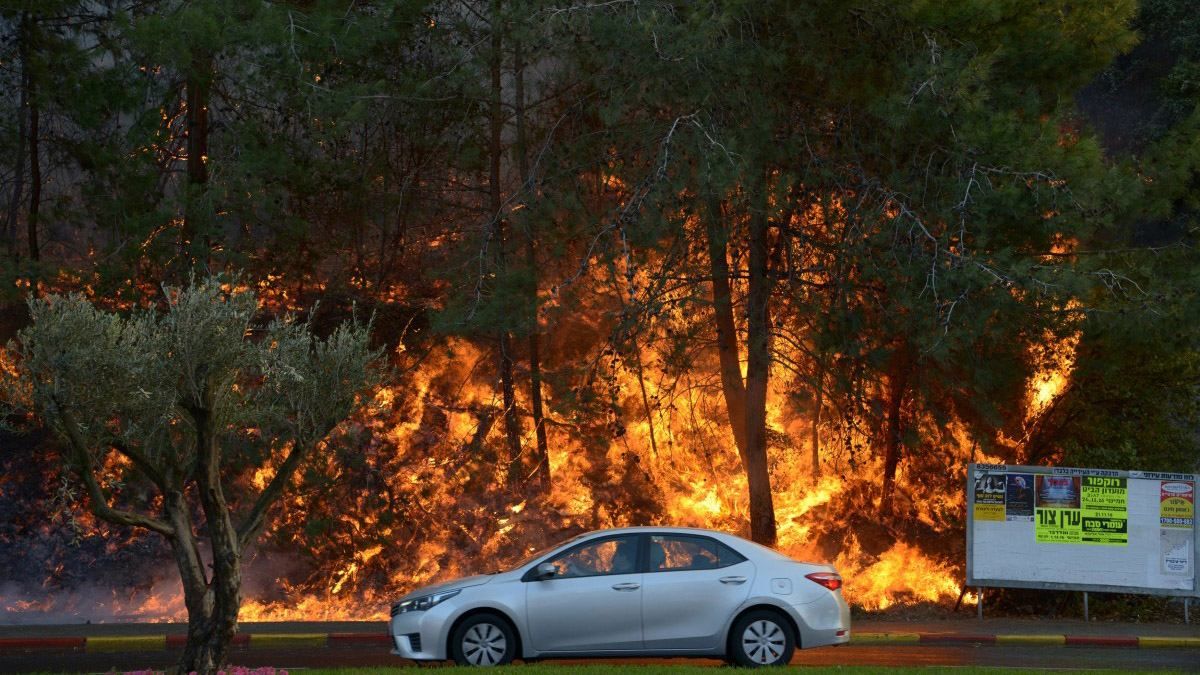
<point x="142" y="462"/>
<point x="87" y="472"/>
<point x="250" y="527"/>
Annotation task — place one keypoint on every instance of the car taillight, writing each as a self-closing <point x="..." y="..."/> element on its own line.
<point x="830" y="580"/>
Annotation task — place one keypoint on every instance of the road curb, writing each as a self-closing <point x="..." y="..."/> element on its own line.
<point x="1042" y="639"/>
<point x="126" y="643"/>
<point x="277" y="640"/>
<point x="885" y="638"/>
<point x="1186" y="642"/>
<point x="1102" y="641"/>
<point x="957" y="638"/>
<point x="142" y="643"/>
<point x="1031" y="639"/>
<point x="359" y="639"/>
<point x="30" y="644"/>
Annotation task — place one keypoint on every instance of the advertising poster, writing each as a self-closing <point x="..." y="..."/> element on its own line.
<point x="1177" y="504"/>
<point x="989" y="497"/>
<point x="1176" y="552"/>
<point x="1176" y="518"/>
<point x="1019" y="498"/>
<point x="1056" y="507"/>
<point x="1104" y="505"/>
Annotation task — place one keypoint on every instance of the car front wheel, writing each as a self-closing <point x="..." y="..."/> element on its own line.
<point x="761" y="638"/>
<point x="483" y="640"/>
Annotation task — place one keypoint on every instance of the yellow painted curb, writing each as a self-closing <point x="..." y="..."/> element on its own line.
<point x="288" y="639"/>
<point x="1169" y="642"/>
<point x="129" y="643"/>
<point x="1031" y="639"/>
<point x="864" y="638"/>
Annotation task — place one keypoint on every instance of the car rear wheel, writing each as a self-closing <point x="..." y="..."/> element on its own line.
<point x="483" y="640"/>
<point x="761" y="638"/>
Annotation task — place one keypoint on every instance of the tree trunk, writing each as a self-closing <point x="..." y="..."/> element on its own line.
<point x="199" y="654"/>
<point x="541" y="472"/>
<point x="893" y="442"/>
<point x="198" y="84"/>
<point x="758" y="370"/>
<point x="512" y="425"/>
<point x="646" y="407"/>
<point x="815" y="432"/>
<point x="35" y="167"/>
<point x="541" y="469"/>
<point x="209" y="637"/>
<point x="746" y="401"/>
<point x="14" y="204"/>
<point x="727" y="347"/>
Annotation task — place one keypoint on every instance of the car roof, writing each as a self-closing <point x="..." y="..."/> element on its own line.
<point x="666" y="529"/>
<point x="739" y="544"/>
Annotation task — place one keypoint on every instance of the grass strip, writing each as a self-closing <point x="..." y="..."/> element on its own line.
<point x="683" y="669"/>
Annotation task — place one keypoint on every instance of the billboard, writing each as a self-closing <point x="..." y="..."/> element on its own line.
<point x="1082" y="529"/>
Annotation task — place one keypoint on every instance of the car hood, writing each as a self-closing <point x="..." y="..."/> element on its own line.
<point x="465" y="582"/>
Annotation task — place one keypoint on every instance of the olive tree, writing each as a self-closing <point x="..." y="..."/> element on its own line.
<point x="187" y="397"/>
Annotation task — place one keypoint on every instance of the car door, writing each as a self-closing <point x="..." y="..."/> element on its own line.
<point x="593" y="603"/>
<point x="692" y="587"/>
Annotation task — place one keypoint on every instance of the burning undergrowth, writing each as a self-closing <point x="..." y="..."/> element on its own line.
<point x="411" y="491"/>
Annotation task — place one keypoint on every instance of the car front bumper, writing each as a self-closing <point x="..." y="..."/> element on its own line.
<point x="421" y="636"/>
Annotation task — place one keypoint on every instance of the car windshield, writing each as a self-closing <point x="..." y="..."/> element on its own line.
<point x="537" y="554"/>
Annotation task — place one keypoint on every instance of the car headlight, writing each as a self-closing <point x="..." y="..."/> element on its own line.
<point x="424" y="602"/>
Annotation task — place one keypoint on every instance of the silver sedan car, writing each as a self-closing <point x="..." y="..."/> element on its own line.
<point x="640" y="591"/>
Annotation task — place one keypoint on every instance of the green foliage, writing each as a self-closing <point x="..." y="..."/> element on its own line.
<point x="602" y="669"/>
<point x="921" y="167"/>
<point x="130" y="381"/>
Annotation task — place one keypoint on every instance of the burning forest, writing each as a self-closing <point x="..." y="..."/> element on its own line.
<point x="601" y="293"/>
<point x="414" y="489"/>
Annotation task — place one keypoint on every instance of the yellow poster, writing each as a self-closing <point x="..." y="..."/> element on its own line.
<point x="989" y="497"/>
<point x="1177" y="504"/>
<point x="1058" y="526"/>
<point x="1092" y="510"/>
<point x="1057" y="519"/>
<point x="1104" y="505"/>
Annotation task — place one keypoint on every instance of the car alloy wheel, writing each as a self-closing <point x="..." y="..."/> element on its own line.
<point x="483" y="640"/>
<point x="762" y="638"/>
<point x="484" y="645"/>
<point x="763" y="641"/>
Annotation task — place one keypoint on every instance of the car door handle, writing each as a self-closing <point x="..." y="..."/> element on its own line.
<point x="627" y="586"/>
<point x="733" y="580"/>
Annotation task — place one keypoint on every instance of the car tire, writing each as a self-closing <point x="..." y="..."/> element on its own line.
<point x="483" y="640"/>
<point x="761" y="638"/>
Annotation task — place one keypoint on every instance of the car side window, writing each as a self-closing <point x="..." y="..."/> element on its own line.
<point x="674" y="553"/>
<point x="617" y="555"/>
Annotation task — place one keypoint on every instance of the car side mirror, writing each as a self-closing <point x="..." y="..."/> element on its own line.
<point x="545" y="571"/>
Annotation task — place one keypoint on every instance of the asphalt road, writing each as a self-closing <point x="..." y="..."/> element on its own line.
<point x="1112" y="658"/>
